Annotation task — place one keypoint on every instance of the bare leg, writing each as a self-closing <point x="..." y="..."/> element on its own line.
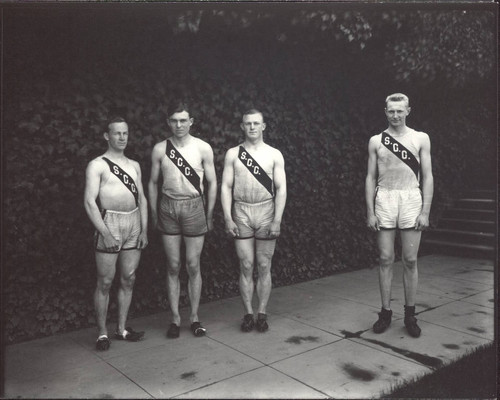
<point x="245" y="252"/>
<point x="264" y="253"/>
<point x="106" y="267"/>
<point x="128" y="260"/>
<point x="385" y="241"/>
<point x="172" y="247"/>
<point x="410" y="240"/>
<point x="194" y="246"/>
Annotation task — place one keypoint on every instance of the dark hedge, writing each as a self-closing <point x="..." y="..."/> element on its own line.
<point x="321" y="107"/>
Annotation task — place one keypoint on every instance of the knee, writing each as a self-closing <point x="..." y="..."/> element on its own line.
<point x="174" y="267"/>
<point x="104" y="285"/>
<point x="264" y="266"/>
<point x="246" y="267"/>
<point x="128" y="281"/>
<point x="193" y="267"/>
<point x="410" y="262"/>
<point x="386" y="260"/>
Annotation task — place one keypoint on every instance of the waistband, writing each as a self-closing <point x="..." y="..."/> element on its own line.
<point x="260" y="203"/>
<point x="197" y="198"/>
<point x="416" y="189"/>
<point x="120" y="212"/>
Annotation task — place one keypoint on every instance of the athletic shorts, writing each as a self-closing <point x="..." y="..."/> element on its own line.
<point x="397" y="208"/>
<point x="125" y="226"/>
<point x="182" y="217"/>
<point x="253" y="220"/>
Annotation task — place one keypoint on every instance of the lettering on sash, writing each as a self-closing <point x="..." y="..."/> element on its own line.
<point x="125" y="178"/>
<point x="401" y="152"/>
<point x="183" y="166"/>
<point x="256" y="170"/>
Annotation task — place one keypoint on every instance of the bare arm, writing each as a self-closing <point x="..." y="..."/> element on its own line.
<point x="370" y="185"/>
<point x="92" y="183"/>
<point x="427" y="183"/>
<point x="279" y="177"/>
<point x="211" y="177"/>
<point x="153" y="183"/>
<point x="143" y="209"/>
<point x="226" y="192"/>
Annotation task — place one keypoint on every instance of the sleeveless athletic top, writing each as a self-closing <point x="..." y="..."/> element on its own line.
<point x="175" y="184"/>
<point x="246" y="187"/>
<point x="392" y="172"/>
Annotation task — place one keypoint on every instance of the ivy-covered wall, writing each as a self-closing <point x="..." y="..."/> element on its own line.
<point x="321" y="107"/>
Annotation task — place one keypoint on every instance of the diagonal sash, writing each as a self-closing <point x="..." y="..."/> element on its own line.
<point x="124" y="177"/>
<point x="256" y="170"/>
<point x="183" y="166"/>
<point x="401" y="152"/>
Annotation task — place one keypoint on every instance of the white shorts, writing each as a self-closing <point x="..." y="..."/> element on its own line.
<point x="397" y="208"/>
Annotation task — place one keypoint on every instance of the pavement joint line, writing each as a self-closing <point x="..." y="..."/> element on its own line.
<point x="213" y="383"/>
<point x="299" y="381"/>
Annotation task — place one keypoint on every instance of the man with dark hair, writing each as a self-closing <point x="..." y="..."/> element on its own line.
<point x="121" y="227"/>
<point x="397" y="159"/>
<point x="253" y="195"/>
<point x="183" y="161"/>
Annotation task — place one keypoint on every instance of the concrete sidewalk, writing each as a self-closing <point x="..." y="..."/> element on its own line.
<point x="320" y="343"/>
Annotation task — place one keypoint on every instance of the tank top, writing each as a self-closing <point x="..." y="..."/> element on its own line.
<point x="175" y="184"/>
<point x="246" y="187"/>
<point x="392" y="172"/>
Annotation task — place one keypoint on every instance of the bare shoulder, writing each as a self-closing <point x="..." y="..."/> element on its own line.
<point x="232" y="153"/>
<point x="203" y="146"/>
<point x="421" y="137"/>
<point x="159" y="148"/>
<point x="96" y="164"/>
<point x="135" y="164"/>
<point x="277" y="155"/>
<point x="375" y="140"/>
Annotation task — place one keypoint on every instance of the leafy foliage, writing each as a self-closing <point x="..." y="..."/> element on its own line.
<point x="320" y="110"/>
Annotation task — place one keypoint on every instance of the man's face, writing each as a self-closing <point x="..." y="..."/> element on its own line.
<point x="396" y="112"/>
<point x="117" y="135"/>
<point x="253" y="125"/>
<point x="180" y="123"/>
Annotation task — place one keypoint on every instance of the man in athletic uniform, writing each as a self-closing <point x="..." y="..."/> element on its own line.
<point x="397" y="159"/>
<point x="183" y="161"/>
<point x="254" y="177"/>
<point x="121" y="227"/>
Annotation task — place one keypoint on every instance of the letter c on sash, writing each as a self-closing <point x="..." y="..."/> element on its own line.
<point x="395" y="147"/>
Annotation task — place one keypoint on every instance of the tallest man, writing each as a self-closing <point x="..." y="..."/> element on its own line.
<point x="398" y="159"/>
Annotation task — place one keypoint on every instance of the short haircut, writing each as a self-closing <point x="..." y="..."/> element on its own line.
<point x="252" y="111"/>
<point x="398" y="97"/>
<point x="178" y="106"/>
<point x="115" y="119"/>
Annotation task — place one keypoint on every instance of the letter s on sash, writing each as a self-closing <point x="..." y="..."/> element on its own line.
<point x="116" y="170"/>
<point x="172" y="154"/>
<point x="387" y="140"/>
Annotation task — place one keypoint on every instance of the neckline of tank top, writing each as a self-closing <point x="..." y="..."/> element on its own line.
<point x="178" y="145"/>
<point x="408" y="130"/>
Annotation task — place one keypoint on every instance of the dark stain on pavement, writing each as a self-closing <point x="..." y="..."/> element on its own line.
<point x="491" y="300"/>
<point x="300" y="339"/>
<point x="188" y="375"/>
<point x="483" y="269"/>
<point x="348" y="335"/>
<point x="422" y="305"/>
<point x="432" y="362"/>
<point x="359" y="374"/>
<point x="468" y="342"/>
<point x="395" y="374"/>
<point x="451" y="346"/>
<point x="482" y="312"/>
<point x="474" y="329"/>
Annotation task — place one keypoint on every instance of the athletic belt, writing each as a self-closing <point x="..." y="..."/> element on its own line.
<point x="256" y="170"/>
<point x="124" y="178"/>
<point x="401" y="152"/>
<point x="183" y="166"/>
